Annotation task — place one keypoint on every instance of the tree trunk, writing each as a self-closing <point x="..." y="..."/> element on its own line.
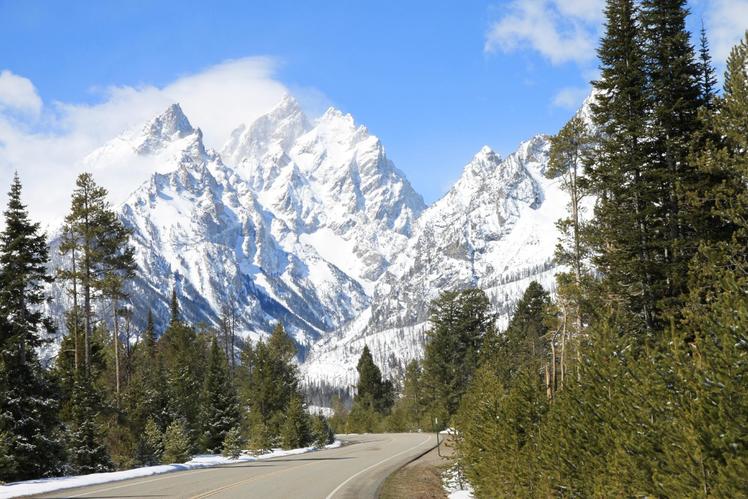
<point x="553" y="363"/>
<point x="563" y="355"/>
<point x="116" y="348"/>
<point x="87" y="289"/>
<point x="75" y="315"/>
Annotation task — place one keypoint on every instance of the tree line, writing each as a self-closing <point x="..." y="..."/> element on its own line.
<point x="114" y="398"/>
<point x="633" y="379"/>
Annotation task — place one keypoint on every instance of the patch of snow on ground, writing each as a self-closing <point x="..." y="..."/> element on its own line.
<point x="41" y="486"/>
<point x="455" y="484"/>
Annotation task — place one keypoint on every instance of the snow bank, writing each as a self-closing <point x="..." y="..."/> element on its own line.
<point x="455" y="485"/>
<point x="42" y="486"/>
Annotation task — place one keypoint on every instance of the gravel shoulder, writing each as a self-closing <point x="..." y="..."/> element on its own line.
<point x="420" y="479"/>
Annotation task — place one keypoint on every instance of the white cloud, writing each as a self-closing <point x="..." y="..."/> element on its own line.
<point x="560" y="30"/>
<point x="47" y="150"/>
<point x="18" y="94"/>
<point x="726" y="22"/>
<point x="571" y="97"/>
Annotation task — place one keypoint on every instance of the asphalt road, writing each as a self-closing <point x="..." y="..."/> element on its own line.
<point x="355" y="470"/>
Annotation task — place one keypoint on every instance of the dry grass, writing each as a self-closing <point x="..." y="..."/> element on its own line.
<point x="421" y="479"/>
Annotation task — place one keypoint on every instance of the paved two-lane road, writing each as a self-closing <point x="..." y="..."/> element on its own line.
<point x="355" y="470"/>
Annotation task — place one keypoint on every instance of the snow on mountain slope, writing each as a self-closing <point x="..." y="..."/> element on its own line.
<point x="309" y="223"/>
<point x="331" y="182"/>
<point x="198" y="226"/>
<point x="494" y="229"/>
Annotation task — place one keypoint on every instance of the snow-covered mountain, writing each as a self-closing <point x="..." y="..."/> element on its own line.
<point x="309" y="223"/>
<point x="495" y="229"/>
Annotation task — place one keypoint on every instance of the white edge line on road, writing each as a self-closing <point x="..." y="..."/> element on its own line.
<point x="331" y="494"/>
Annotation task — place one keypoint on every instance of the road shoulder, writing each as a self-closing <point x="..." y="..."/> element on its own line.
<point x="419" y="479"/>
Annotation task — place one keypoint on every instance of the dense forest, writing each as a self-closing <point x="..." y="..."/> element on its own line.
<point x="631" y="379"/>
<point x="116" y="398"/>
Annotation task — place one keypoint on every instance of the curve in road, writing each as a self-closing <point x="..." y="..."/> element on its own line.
<point x="355" y="470"/>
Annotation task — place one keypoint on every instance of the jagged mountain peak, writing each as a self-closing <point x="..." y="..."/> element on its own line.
<point x="167" y="125"/>
<point x="484" y="162"/>
<point x="336" y="122"/>
<point x="272" y="133"/>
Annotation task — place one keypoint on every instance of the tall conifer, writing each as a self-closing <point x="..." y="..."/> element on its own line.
<point x="28" y="404"/>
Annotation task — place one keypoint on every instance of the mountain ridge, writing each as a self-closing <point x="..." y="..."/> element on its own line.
<point x="308" y="222"/>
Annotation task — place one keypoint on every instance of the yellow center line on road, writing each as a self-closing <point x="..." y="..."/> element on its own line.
<point x="241" y="482"/>
<point x="256" y="477"/>
<point x="133" y="484"/>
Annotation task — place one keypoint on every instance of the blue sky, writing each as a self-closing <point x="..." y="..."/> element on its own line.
<point x="435" y="80"/>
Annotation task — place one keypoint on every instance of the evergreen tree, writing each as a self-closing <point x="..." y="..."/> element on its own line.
<point x="321" y="433"/>
<point x="459" y="319"/>
<point x="674" y="99"/>
<point x="371" y="390"/>
<point x="261" y="438"/>
<point x="524" y="340"/>
<point x="569" y="149"/>
<point x="711" y="451"/>
<point x="620" y="234"/>
<point x="339" y="417"/>
<point x="149" y="335"/>
<point x="273" y="380"/>
<point x="7" y="463"/>
<point x="411" y="403"/>
<point x="174" y="307"/>
<point x="182" y="361"/>
<point x="220" y="405"/>
<point x="100" y="255"/>
<point x="88" y="453"/>
<point x="233" y="443"/>
<point x="177" y="445"/>
<point x="295" y="432"/>
<point x="499" y="432"/>
<point x="28" y="406"/>
<point x="707" y="76"/>
<point x="151" y="444"/>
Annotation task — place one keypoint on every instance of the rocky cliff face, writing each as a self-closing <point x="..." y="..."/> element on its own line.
<point x="309" y="223"/>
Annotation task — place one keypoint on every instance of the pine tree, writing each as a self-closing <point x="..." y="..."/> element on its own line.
<point x="711" y="454"/>
<point x="321" y="433"/>
<point x="174" y="308"/>
<point x="233" y="443"/>
<point x="273" y="380"/>
<point x="371" y="390"/>
<point x="177" y="445"/>
<point x="7" y="463"/>
<point x="499" y="432"/>
<point x="339" y="417"/>
<point x="524" y="340"/>
<point x="460" y="320"/>
<point x="569" y="149"/>
<point x="412" y="400"/>
<point x="88" y="453"/>
<point x="620" y="233"/>
<point x="261" y="438"/>
<point x="220" y="405"/>
<point x="101" y="259"/>
<point x="182" y="359"/>
<point x="151" y="444"/>
<point x="295" y="432"/>
<point x="149" y="335"/>
<point x="707" y="76"/>
<point x="674" y="100"/>
<point x="28" y="405"/>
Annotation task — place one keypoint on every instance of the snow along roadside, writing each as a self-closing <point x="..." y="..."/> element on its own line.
<point x="44" y="485"/>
